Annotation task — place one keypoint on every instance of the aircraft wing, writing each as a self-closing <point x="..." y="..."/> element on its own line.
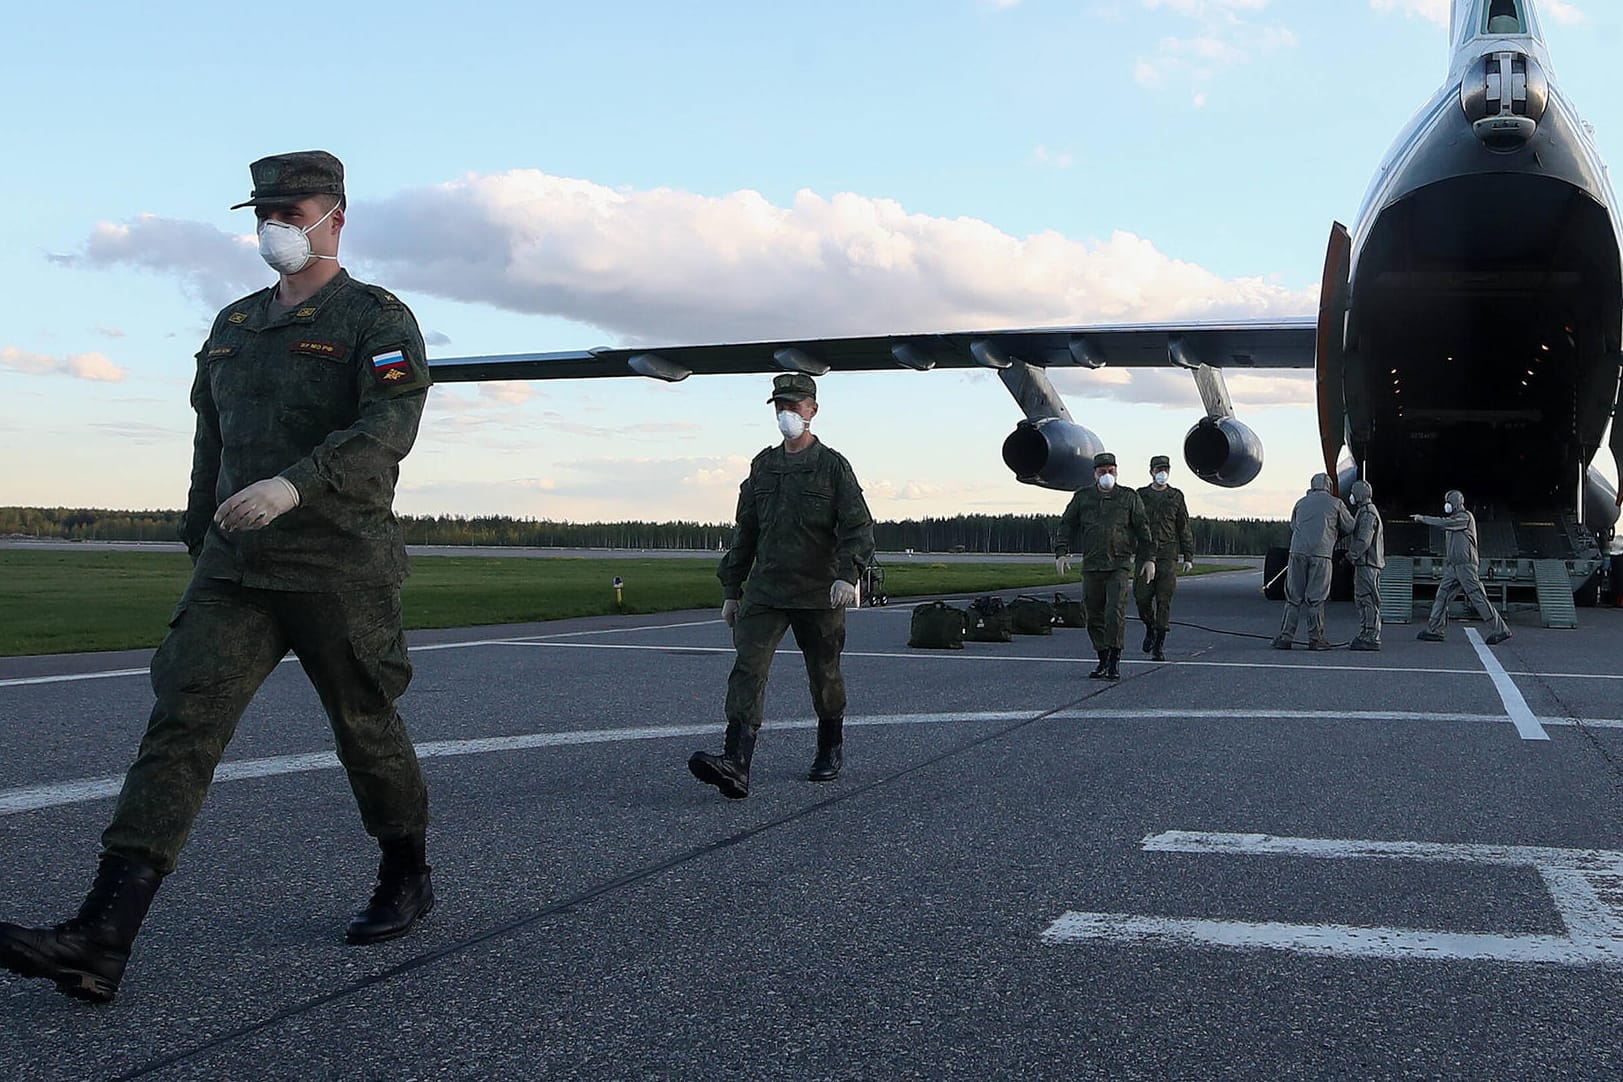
<point x="1287" y="343"/>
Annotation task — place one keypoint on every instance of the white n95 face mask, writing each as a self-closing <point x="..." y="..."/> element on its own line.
<point x="791" y="424"/>
<point x="286" y="248"/>
<point x="1448" y="509"/>
<point x="1107" y="481"/>
<point x="1161" y="477"/>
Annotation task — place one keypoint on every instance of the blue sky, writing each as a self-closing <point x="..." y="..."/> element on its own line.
<point x="550" y="176"/>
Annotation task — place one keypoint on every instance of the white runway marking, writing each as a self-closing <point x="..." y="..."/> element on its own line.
<point x="1586" y="886"/>
<point x="1516" y="706"/>
<point x="80" y="790"/>
<point x="106" y="674"/>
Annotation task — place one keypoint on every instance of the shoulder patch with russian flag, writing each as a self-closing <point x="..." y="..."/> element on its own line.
<point x="391" y="368"/>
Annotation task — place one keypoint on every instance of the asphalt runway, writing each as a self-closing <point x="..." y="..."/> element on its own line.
<point x="1242" y="863"/>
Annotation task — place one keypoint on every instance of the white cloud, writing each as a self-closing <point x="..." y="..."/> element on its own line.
<point x="1228" y="36"/>
<point x="1169" y="387"/>
<point x="1059" y="159"/>
<point x="1564" y="11"/>
<point x="671" y="266"/>
<point x="1436" y="11"/>
<point x="96" y="367"/>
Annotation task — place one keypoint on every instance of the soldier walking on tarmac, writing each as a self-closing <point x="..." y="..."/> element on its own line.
<point x="1460" y="574"/>
<point x="1367" y="553"/>
<point x="803" y="535"/>
<point x="1169" y="527"/>
<point x="1317" y="522"/>
<point x="1107" y="525"/>
<point x="307" y="394"/>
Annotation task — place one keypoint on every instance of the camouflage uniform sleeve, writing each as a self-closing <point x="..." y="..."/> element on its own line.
<point x="1138" y="519"/>
<point x="1067" y="526"/>
<point x="391" y="398"/>
<point x="740" y="556"/>
<point x="853" y="527"/>
<point x="201" y="502"/>
<point x="1186" y="534"/>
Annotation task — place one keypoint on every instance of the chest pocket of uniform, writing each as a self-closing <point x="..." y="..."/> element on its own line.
<point x="766" y="499"/>
<point x="817" y="506"/>
<point x="323" y="362"/>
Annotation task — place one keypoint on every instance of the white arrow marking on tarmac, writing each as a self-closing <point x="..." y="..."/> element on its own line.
<point x="1585" y="884"/>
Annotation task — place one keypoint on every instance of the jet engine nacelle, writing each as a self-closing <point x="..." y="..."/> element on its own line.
<point x="1222" y="451"/>
<point x="1600" y="506"/>
<point x="1053" y="453"/>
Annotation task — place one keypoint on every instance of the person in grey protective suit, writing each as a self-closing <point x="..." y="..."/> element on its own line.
<point x="1367" y="553"/>
<point x="1317" y="521"/>
<point x="1460" y="577"/>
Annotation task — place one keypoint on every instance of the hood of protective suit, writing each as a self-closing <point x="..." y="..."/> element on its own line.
<point x="1320" y="483"/>
<point x="1361" y="492"/>
<point x="1455" y="497"/>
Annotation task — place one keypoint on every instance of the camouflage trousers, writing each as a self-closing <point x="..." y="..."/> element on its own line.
<point x="1367" y="596"/>
<point x="820" y="634"/>
<point x="1154" y="598"/>
<point x="223" y="641"/>
<point x="1104" y="595"/>
<point x="1462" y="580"/>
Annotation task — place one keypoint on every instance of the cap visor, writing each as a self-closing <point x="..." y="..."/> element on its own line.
<point x="792" y="396"/>
<point x="273" y="200"/>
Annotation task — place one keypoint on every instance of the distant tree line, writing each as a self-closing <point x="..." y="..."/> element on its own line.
<point x="966" y="533"/>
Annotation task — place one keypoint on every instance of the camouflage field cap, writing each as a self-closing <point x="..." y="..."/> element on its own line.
<point x="1160" y="462"/>
<point x="1103" y="459"/>
<point x="287" y="178"/>
<point x="794" y="387"/>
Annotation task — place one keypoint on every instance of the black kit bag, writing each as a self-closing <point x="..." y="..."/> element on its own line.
<point x="937" y="626"/>
<point x="988" y="621"/>
<point x="1068" y="611"/>
<point x="1031" y="615"/>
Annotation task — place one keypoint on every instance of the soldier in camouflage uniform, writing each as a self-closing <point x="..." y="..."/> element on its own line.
<point x="803" y="535"/>
<point x="307" y="394"/>
<point x="1169" y="526"/>
<point x="1107" y="524"/>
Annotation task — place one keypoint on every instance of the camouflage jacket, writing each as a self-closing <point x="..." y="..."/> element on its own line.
<point x="1169" y="522"/>
<point x="1108" y="530"/>
<point x="801" y="524"/>
<point x="328" y="395"/>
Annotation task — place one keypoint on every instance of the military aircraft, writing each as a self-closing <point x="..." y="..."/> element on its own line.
<point x="1468" y="333"/>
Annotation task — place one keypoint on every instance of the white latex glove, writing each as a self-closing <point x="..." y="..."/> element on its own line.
<point x="729" y="611"/>
<point x="1186" y="567"/>
<point x="1062" y="565"/>
<point x="1414" y="518"/>
<point x="1148" y="572"/>
<point x="842" y="594"/>
<point x="258" y="505"/>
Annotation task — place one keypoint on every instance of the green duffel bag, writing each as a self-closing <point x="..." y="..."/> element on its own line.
<point x="1068" y="612"/>
<point x="988" y="621"/>
<point x="937" y="626"/>
<point x="1031" y="616"/>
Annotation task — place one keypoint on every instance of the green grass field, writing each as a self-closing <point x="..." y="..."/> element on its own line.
<point x="67" y="602"/>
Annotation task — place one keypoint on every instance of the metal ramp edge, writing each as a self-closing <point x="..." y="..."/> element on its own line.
<point x="1397" y="590"/>
<point x="1556" y="606"/>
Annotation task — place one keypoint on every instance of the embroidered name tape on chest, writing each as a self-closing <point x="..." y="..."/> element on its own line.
<point x="334" y="350"/>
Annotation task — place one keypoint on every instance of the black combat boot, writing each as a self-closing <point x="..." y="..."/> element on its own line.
<point x="403" y="895"/>
<point x="729" y="771"/>
<point x="1103" y="667"/>
<point x="1113" y="665"/>
<point x="830" y="754"/>
<point x="86" y="956"/>
<point x="1149" y="637"/>
<point x="1160" y="652"/>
